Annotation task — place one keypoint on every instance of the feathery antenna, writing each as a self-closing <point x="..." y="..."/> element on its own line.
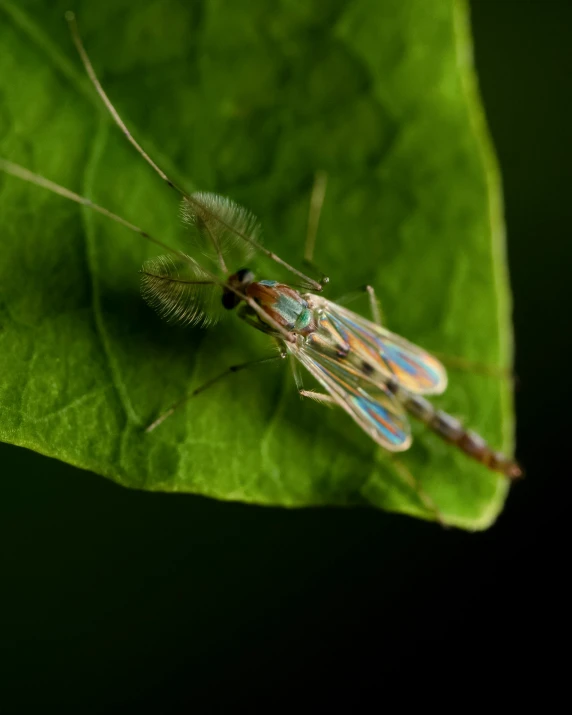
<point x="197" y="206"/>
<point x="20" y="172"/>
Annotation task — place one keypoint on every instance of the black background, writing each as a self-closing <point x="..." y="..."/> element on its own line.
<point x="112" y="599"/>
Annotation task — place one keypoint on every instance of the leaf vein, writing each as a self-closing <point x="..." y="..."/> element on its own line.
<point x="68" y="70"/>
<point x="89" y="231"/>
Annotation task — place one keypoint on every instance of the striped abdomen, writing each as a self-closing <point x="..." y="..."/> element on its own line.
<point x="452" y="431"/>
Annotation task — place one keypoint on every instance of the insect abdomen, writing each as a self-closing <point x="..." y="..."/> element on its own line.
<point x="452" y="431"/>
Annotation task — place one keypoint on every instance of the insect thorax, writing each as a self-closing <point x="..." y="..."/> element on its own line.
<point x="283" y="304"/>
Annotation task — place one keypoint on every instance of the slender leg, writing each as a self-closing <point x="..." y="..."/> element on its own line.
<point x="191" y="199"/>
<point x="401" y="470"/>
<point x="316" y="203"/>
<point x="374" y="305"/>
<point x="312" y="394"/>
<point x="405" y="475"/>
<point x="451" y="361"/>
<point x="20" y="172"/>
<point x="296" y="373"/>
<point x="229" y="371"/>
<point x="70" y="17"/>
<point x="321" y="397"/>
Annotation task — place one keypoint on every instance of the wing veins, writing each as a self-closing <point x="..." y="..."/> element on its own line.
<point x="381" y="417"/>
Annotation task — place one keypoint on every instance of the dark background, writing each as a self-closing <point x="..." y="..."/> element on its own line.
<point x="112" y="599"/>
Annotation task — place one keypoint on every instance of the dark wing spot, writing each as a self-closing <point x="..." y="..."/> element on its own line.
<point x="367" y="369"/>
<point x="392" y="385"/>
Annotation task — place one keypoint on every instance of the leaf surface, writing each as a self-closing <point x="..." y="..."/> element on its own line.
<point x="248" y="104"/>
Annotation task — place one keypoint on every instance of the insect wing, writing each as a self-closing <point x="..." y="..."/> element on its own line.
<point x="413" y="368"/>
<point x="371" y="405"/>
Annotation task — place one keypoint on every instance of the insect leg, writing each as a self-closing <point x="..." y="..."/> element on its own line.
<point x="312" y="394"/>
<point x="374" y="304"/>
<point x="296" y="373"/>
<point x="405" y="475"/>
<point x="70" y="17"/>
<point x="307" y="281"/>
<point x="229" y="371"/>
<point x="451" y="361"/>
<point x="20" y="172"/>
<point x="316" y="203"/>
<point x="317" y="396"/>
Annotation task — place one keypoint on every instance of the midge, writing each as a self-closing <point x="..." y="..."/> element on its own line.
<point x="374" y="375"/>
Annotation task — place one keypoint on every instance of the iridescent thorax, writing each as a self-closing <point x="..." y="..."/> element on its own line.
<point x="284" y="305"/>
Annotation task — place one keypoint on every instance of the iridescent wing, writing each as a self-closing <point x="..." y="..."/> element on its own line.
<point x="385" y="353"/>
<point x="371" y="404"/>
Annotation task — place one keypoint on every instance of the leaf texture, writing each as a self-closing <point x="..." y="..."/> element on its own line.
<point x="248" y="103"/>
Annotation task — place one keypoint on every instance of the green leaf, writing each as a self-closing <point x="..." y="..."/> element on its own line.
<point x="248" y="101"/>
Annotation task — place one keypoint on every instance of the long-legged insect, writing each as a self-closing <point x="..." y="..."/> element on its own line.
<point x="376" y="376"/>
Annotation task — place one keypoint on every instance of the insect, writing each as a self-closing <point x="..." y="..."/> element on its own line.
<point x="376" y="376"/>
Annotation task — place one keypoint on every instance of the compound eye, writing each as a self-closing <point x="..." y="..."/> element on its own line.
<point x="245" y="276"/>
<point x="230" y="300"/>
